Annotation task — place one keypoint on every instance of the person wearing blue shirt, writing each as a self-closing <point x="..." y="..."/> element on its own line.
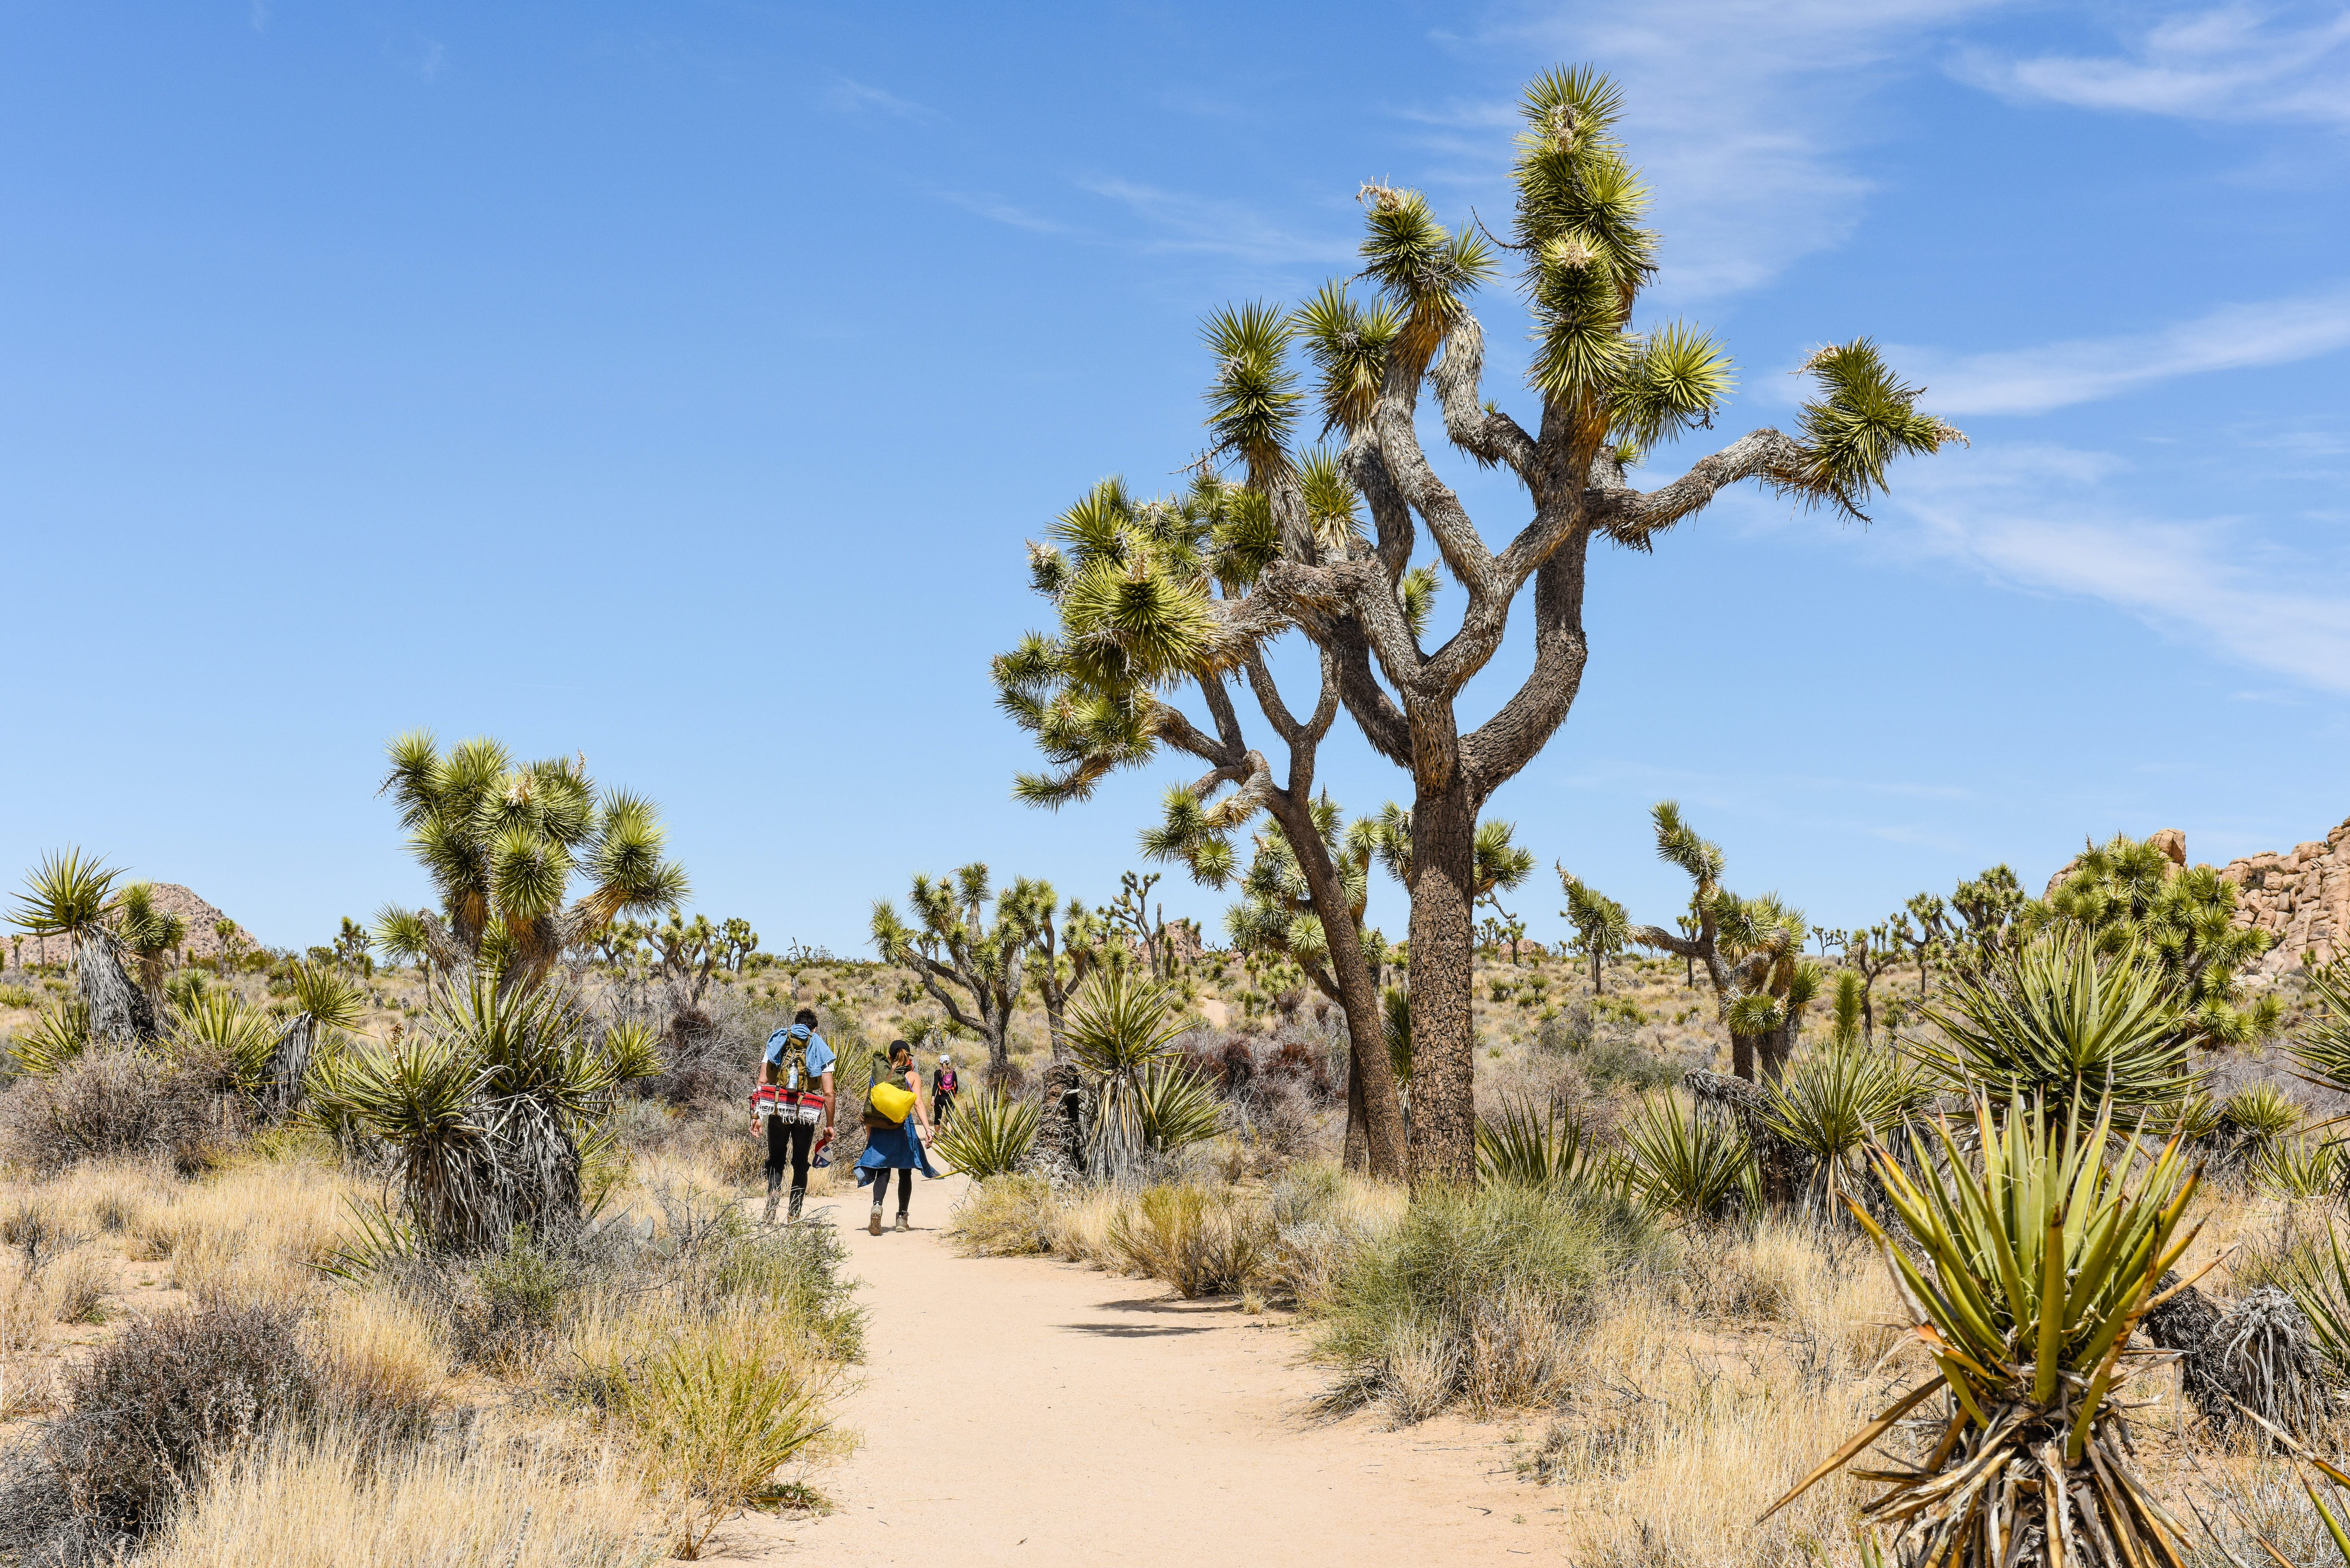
<point x="797" y="1058"/>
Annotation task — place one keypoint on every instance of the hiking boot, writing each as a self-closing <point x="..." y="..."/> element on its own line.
<point x="769" y="1217"/>
<point x="800" y="1196"/>
<point x="902" y="1220"/>
<point x="873" y="1225"/>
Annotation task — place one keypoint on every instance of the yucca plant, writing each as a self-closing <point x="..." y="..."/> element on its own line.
<point x="61" y="1032"/>
<point x="488" y="1108"/>
<point x="1681" y="1161"/>
<point x="2321" y="1047"/>
<point x="2296" y="1168"/>
<point x="2318" y="1280"/>
<point x="2059" y="1021"/>
<point x="1143" y="1102"/>
<point x="2026" y="1257"/>
<point x="1526" y="1147"/>
<point x="2258" y="1116"/>
<point x="242" y="1039"/>
<point x="1832" y="1103"/>
<point x="991" y="1133"/>
<point x="72" y="895"/>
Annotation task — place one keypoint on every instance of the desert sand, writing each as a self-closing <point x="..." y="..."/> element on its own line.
<point x="1018" y="1410"/>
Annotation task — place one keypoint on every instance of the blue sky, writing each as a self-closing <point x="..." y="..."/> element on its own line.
<point x="677" y="383"/>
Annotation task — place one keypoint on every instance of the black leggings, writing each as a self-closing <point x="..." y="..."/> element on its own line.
<point x="905" y="1187"/>
<point x="788" y="1142"/>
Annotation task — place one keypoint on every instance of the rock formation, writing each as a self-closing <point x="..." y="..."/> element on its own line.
<point x="2300" y="898"/>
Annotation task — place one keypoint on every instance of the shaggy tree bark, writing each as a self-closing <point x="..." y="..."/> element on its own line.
<point x="119" y="1011"/>
<point x="290" y="1060"/>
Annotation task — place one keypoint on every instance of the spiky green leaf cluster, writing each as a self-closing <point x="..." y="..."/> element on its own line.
<point x="1862" y="419"/>
<point x="1347" y="343"/>
<point x="2061" y="1019"/>
<point x="2028" y="1252"/>
<point x="1424" y="272"/>
<point x="2129" y="896"/>
<point x="1253" y="401"/>
<point x="504" y="845"/>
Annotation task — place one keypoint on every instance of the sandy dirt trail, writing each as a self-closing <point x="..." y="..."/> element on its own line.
<point x="1015" y="1410"/>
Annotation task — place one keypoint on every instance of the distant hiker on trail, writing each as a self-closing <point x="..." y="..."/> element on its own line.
<point x="944" y="1087"/>
<point x="895" y="1127"/>
<point x="796" y="1098"/>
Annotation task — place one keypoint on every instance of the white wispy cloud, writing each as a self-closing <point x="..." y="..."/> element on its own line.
<point x="995" y="209"/>
<point x="1745" y="114"/>
<point x="2231" y="62"/>
<point x="1187" y="223"/>
<point x="2041" y="518"/>
<point x="845" y="96"/>
<point x="2083" y="369"/>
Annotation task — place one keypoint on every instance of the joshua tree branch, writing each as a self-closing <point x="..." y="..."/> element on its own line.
<point x="1505" y="742"/>
<point x="1456" y="536"/>
<point x="1390" y="514"/>
<point x="1631" y="517"/>
<point x="1486" y="434"/>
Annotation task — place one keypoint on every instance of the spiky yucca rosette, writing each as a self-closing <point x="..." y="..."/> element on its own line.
<point x="2025" y="1264"/>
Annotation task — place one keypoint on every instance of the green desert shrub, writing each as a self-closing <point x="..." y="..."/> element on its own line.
<point x="1202" y="1240"/>
<point x="1008" y="1217"/>
<point x="1681" y="1161"/>
<point x="1474" y="1295"/>
<point x="990" y="1134"/>
<point x="1829" y="1104"/>
<point x="2296" y="1168"/>
<point x="1526" y="1147"/>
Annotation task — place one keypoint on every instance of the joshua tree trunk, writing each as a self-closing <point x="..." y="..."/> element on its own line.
<point x="119" y="1011"/>
<point x="1595" y="972"/>
<point x="1443" y="1023"/>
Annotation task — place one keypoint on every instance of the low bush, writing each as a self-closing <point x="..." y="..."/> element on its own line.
<point x="717" y="1412"/>
<point x="1473" y="1296"/>
<point x="145" y="1417"/>
<point x="1006" y="1217"/>
<point x="112" y="1103"/>
<point x="1202" y="1240"/>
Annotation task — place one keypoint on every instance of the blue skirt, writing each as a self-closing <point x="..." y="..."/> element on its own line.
<point x="893" y="1148"/>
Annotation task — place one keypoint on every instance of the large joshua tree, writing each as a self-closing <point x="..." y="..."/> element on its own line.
<point x="1608" y="391"/>
<point x="504" y="845"/>
<point x="1152" y="596"/>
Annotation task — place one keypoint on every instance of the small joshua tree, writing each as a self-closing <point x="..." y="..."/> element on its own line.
<point x="1069" y="947"/>
<point x="148" y="934"/>
<point x="231" y="937"/>
<point x="955" y="948"/>
<point x="504" y="845"/>
<point x="1752" y="949"/>
<point x="1868" y="954"/>
<point x="741" y="941"/>
<point x="1154" y="596"/>
<point x="1600" y="926"/>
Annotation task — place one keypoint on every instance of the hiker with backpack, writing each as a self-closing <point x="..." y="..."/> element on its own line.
<point x="944" y="1087"/>
<point x="895" y="1130"/>
<point x="794" y="1099"/>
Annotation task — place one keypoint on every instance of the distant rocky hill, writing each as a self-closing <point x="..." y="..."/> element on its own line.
<point x="195" y="913"/>
<point x="2301" y="896"/>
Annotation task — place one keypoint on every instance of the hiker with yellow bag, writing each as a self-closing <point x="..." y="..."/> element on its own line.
<point x="896" y="1129"/>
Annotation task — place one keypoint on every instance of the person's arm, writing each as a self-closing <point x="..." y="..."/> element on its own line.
<point x="824" y="1084"/>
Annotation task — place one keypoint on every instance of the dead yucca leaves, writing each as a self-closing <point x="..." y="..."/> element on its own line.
<point x="2026" y="1265"/>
